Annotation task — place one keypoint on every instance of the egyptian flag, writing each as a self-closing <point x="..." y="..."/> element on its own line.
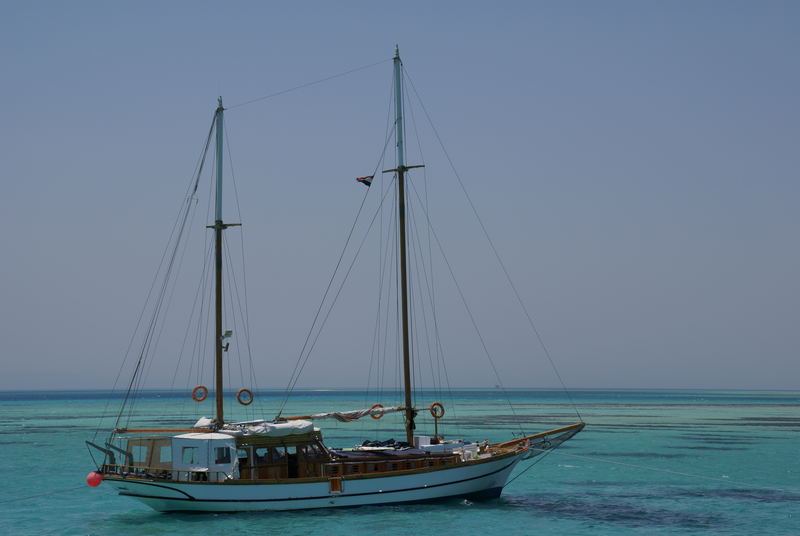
<point x="366" y="181"/>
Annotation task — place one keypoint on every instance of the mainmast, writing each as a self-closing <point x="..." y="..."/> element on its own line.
<point x="401" y="217"/>
<point x="218" y="227"/>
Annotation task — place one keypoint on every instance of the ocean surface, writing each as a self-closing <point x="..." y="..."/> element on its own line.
<point x="648" y="462"/>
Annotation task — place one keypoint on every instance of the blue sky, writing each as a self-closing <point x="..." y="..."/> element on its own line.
<point x="635" y="162"/>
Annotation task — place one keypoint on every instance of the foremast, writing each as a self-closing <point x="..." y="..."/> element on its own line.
<point x="218" y="227"/>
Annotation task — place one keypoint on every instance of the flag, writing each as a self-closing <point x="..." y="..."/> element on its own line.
<point x="366" y="181"/>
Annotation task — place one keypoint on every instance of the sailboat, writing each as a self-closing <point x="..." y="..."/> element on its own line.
<point x="216" y="465"/>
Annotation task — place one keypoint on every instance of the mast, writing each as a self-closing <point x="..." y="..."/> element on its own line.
<point x="218" y="228"/>
<point x="401" y="217"/>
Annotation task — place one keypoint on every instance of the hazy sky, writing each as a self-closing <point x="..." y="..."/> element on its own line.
<point x="635" y="162"/>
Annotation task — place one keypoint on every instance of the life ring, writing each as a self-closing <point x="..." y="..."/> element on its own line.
<point x="437" y="410"/>
<point x="199" y="393"/>
<point x="375" y="415"/>
<point x="248" y="399"/>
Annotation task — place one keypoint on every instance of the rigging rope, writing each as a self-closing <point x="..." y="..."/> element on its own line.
<point x="296" y="378"/>
<point x="660" y="470"/>
<point x="494" y="249"/>
<point x="431" y="285"/>
<point x="298" y="368"/>
<point x="530" y="466"/>
<point x="199" y="296"/>
<point x="307" y="84"/>
<point x="291" y="383"/>
<point x="233" y="300"/>
<point x="29" y="497"/>
<point x="192" y="190"/>
<point x="375" y="347"/>
<point x="147" y="344"/>
<point x="246" y="318"/>
<point x="469" y="312"/>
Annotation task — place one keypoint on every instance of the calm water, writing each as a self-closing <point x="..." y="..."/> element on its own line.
<point x="601" y="482"/>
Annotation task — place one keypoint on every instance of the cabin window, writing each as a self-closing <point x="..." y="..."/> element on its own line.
<point x="352" y="468"/>
<point x="223" y="455"/>
<point x="313" y="452"/>
<point x="278" y="455"/>
<point x="393" y="467"/>
<point x="165" y="453"/>
<point x="261" y="455"/>
<point x="371" y="467"/>
<point x="189" y="455"/>
<point x="241" y="454"/>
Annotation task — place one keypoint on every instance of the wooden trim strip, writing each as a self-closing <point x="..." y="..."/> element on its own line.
<point x="577" y="425"/>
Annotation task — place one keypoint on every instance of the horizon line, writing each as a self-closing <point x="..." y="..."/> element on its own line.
<point x="399" y="389"/>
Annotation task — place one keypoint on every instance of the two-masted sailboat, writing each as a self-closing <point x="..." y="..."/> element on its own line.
<point x="282" y="464"/>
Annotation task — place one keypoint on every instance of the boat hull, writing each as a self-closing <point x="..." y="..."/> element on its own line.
<point x="481" y="480"/>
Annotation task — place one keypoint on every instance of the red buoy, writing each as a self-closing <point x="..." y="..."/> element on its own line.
<point x="94" y="479"/>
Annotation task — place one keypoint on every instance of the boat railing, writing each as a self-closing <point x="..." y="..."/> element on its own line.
<point x="336" y="468"/>
<point x="344" y="467"/>
<point x="162" y="473"/>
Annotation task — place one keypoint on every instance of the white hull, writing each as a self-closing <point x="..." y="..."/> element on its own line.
<point x="485" y="480"/>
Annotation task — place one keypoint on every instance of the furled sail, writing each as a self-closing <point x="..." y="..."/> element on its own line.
<point x="376" y="411"/>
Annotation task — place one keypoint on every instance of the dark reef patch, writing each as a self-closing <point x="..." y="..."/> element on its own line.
<point x="623" y="513"/>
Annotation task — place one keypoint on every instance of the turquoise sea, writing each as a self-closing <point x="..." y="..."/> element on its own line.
<point x="648" y="462"/>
